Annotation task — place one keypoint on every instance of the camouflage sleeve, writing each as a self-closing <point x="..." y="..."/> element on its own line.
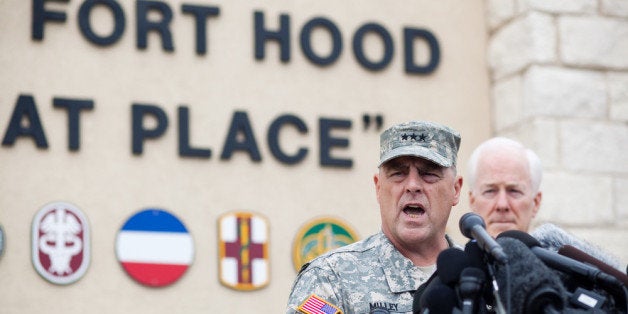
<point x="314" y="280"/>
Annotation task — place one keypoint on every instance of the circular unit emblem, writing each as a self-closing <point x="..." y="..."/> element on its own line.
<point x="60" y="243"/>
<point x="319" y="236"/>
<point x="154" y="247"/>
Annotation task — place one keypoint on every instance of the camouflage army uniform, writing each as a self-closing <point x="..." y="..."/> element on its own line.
<point x="369" y="276"/>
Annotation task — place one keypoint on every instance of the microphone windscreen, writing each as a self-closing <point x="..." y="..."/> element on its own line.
<point x="416" y="303"/>
<point x="581" y="256"/>
<point x="553" y="238"/>
<point x="475" y="255"/>
<point x="438" y="298"/>
<point x="525" y="282"/>
<point x="473" y="272"/>
<point x="471" y="289"/>
<point x="477" y="260"/>
<point x="450" y="263"/>
<point x="422" y="288"/>
<point x="527" y="239"/>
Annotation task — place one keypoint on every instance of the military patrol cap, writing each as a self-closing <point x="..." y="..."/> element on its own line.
<point x="428" y="140"/>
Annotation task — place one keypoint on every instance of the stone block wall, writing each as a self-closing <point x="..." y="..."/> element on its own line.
<point x="559" y="77"/>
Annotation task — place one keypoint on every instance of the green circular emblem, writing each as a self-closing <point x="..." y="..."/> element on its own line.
<point x="319" y="236"/>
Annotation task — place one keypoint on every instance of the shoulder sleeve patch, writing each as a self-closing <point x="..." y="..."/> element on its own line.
<point x="315" y="305"/>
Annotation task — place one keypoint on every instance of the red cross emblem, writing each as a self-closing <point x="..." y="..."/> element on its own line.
<point x="243" y="251"/>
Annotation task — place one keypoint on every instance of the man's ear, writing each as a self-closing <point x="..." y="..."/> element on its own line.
<point x="537" y="203"/>
<point x="457" y="190"/>
<point x="377" y="185"/>
<point x="471" y="199"/>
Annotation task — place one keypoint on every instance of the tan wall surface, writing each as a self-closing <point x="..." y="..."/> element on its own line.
<point x="109" y="184"/>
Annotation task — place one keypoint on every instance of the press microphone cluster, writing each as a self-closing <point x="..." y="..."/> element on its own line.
<point x="455" y="288"/>
<point x="586" y="285"/>
<point x="527" y="284"/>
<point x="516" y="274"/>
<point x="560" y="262"/>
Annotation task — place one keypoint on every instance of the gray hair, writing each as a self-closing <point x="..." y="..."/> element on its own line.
<point x="498" y="143"/>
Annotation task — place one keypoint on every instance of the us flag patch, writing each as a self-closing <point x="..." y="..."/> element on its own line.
<point x="315" y="305"/>
<point x="243" y="251"/>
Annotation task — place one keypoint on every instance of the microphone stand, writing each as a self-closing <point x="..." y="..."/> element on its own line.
<point x="499" y="306"/>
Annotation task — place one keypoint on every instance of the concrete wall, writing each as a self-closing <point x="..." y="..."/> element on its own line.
<point x="559" y="76"/>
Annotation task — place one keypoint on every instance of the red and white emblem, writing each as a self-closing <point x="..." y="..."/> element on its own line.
<point x="243" y="251"/>
<point x="61" y="243"/>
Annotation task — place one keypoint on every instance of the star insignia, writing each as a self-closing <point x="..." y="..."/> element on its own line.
<point x="422" y="137"/>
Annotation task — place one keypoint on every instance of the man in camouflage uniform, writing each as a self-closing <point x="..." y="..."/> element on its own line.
<point x="416" y="186"/>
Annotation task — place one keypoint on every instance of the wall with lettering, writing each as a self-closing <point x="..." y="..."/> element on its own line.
<point x="205" y="108"/>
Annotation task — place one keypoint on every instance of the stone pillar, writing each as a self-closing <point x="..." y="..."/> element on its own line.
<point x="559" y="84"/>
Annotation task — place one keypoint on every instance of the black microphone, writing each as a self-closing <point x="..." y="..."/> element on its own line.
<point x="416" y="303"/>
<point x="469" y="287"/>
<point x="449" y="264"/>
<point x="526" y="284"/>
<point x="438" y="298"/>
<point x="477" y="260"/>
<point x="562" y="263"/>
<point x="581" y="256"/>
<point x="472" y="226"/>
<point x="475" y="254"/>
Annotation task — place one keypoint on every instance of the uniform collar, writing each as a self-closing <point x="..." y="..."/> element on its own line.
<point x="401" y="274"/>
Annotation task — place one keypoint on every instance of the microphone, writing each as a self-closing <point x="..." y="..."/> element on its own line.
<point x="560" y="262"/>
<point x="553" y="238"/>
<point x="475" y="254"/>
<point x="469" y="287"/>
<point x="416" y="302"/>
<point x="578" y="255"/>
<point x="438" y="298"/>
<point x="531" y="287"/>
<point x="449" y="264"/>
<point x="454" y="270"/>
<point x="477" y="260"/>
<point x="472" y="226"/>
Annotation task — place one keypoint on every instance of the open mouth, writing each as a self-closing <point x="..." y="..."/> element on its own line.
<point x="414" y="210"/>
